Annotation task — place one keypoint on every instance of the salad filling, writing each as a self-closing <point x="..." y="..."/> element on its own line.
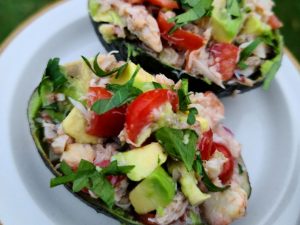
<point x="140" y="147"/>
<point x="223" y="42"/>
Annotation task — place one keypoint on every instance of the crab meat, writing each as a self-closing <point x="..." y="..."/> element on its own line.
<point x="214" y="165"/>
<point x="173" y="211"/>
<point x="144" y="26"/>
<point x="224" y="207"/>
<point x="76" y="152"/>
<point x="59" y="144"/>
<point x="208" y="106"/>
<point x="138" y="21"/>
<point x="198" y="64"/>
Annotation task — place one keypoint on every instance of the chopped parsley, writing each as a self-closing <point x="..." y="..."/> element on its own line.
<point x="87" y="176"/>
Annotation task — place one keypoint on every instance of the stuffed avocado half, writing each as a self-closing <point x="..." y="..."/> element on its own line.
<point x="225" y="46"/>
<point x="138" y="147"/>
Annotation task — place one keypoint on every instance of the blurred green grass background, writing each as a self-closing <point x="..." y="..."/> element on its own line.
<point x="13" y="12"/>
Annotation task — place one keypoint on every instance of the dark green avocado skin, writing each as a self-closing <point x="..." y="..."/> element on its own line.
<point x="154" y="66"/>
<point x="37" y="135"/>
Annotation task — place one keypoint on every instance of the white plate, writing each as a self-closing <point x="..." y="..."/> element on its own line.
<point x="266" y="124"/>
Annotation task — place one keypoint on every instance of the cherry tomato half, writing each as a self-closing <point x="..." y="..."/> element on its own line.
<point x="139" y="112"/>
<point x="206" y="146"/>
<point x="274" y="22"/>
<point x="108" y="124"/>
<point x="180" y="38"/>
<point x="167" y="4"/>
<point x="227" y="170"/>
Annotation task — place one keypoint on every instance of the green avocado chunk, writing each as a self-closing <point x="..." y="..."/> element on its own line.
<point x="143" y="80"/>
<point x="225" y="27"/>
<point x="154" y="192"/>
<point x="188" y="183"/>
<point x="109" y="16"/>
<point x="145" y="160"/>
<point x="255" y="26"/>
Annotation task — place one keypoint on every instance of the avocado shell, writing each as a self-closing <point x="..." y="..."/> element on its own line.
<point x="154" y="66"/>
<point x="34" y="107"/>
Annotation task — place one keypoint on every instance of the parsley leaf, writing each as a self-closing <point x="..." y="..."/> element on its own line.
<point x="192" y="116"/>
<point x="246" y="52"/>
<point x="87" y="176"/>
<point x="195" y="9"/>
<point x="103" y="188"/>
<point x="180" y="144"/>
<point x="157" y="85"/>
<point x="207" y="182"/>
<point x="183" y="96"/>
<point x="101" y="73"/>
<point x="122" y="95"/>
<point x="114" y="169"/>
<point x="55" y="73"/>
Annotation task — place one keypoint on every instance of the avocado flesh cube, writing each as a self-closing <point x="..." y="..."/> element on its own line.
<point x="107" y="32"/>
<point x="188" y="183"/>
<point x="74" y="125"/>
<point x="224" y="28"/>
<point x="109" y="16"/>
<point x="156" y="191"/>
<point x="143" y="80"/>
<point x="145" y="160"/>
<point x="255" y="26"/>
<point x="79" y="76"/>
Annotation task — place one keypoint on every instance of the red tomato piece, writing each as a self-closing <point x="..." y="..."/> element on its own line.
<point x="168" y="4"/>
<point x="274" y="22"/>
<point x="139" y="112"/>
<point x="108" y="124"/>
<point x="226" y="55"/>
<point x="135" y="1"/>
<point x="206" y="146"/>
<point x="180" y="38"/>
<point x="146" y="219"/>
<point x="227" y="170"/>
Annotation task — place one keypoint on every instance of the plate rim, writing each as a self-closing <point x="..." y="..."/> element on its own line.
<point x="288" y="54"/>
<point x="18" y="29"/>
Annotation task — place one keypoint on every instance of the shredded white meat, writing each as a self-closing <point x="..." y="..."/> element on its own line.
<point x="59" y="144"/>
<point x="162" y="79"/>
<point x="198" y="64"/>
<point x="75" y="152"/>
<point x="208" y="106"/>
<point x="171" y="57"/>
<point x="138" y="21"/>
<point x="224" y="207"/>
<point x="214" y="165"/>
<point x="173" y="211"/>
<point x="104" y="153"/>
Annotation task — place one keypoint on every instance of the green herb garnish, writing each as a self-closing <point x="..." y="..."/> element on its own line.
<point x="55" y="74"/>
<point x="122" y="95"/>
<point x="192" y="116"/>
<point x="207" y="182"/>
<point x="246" y="52"/>
<point x="101" y="73"/>
<point x="180" y="144"/>
<point x="195" y="10"/>
<point x="87" y="176"/>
